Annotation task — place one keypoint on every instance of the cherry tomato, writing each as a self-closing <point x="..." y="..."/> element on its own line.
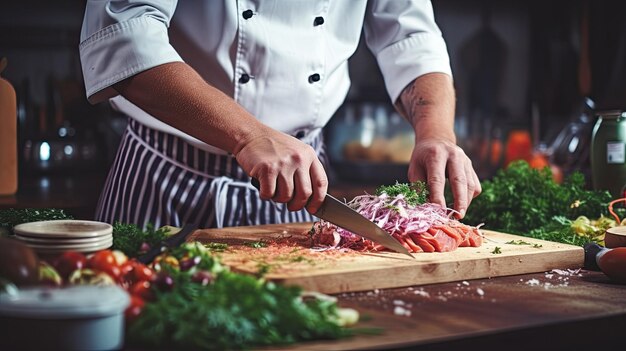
<point x="142" y="289"/>
<point x="134" y="271"/>
<point x="126" y="270"/>
<point x="68" y="262"/>
<point x="134" y="309"/>
<point x="141" y="271"/>
<point x="104" y="261"/>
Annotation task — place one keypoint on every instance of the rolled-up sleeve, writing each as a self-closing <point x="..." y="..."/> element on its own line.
<point x="122" y="38"/>
<point x="406" y="41"/>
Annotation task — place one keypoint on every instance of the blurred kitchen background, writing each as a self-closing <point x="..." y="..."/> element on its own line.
<point x="530" y="78"/>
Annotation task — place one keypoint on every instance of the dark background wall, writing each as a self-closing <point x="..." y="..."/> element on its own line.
<point x="517" y="64"/>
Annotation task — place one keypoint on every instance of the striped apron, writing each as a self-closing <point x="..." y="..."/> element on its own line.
<point x="160" y="179"/>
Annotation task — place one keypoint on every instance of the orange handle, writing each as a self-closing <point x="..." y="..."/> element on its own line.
<point x="613" y="212"/>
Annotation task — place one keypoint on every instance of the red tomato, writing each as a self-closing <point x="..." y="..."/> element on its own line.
<point x="134" y="309"/>
<point x="141" y="271"/>
<point x="134" y="271"/>
<point x="104" y="261"/>
<point x="126" y="270"/>
<point x="142" y="289"/>
<point x="68" y="262"/>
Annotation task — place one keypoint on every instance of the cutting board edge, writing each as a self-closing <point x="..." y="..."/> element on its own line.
<point x="411" y="276"/>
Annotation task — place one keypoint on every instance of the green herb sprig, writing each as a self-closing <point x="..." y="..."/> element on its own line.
<point x="415" y="193"/>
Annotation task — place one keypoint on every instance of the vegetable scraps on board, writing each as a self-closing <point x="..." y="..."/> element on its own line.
<point x="526" y="201"/>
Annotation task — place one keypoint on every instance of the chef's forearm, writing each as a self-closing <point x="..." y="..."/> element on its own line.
<point x="429" y="103"/>
<point x="175" y="94"/>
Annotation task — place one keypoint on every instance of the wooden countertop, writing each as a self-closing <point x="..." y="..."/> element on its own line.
<point x="525" y="312"/>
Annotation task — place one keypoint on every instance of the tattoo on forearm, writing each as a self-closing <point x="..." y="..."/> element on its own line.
<point x="412" y="102"/>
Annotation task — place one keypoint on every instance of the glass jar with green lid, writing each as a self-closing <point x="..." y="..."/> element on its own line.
<point x="608" y="152"/>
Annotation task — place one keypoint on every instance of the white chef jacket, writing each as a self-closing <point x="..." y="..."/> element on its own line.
<point x="284" y="61"/>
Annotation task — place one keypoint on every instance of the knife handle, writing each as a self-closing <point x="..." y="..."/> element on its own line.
<point x="255" y="183"/>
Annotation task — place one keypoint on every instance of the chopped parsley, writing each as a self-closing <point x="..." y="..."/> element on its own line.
<point x="517" y="242"/>
<point x="216" y="247"/>
<point x="496" y="250"/>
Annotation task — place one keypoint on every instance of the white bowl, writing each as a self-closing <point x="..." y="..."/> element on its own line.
<point x="615" y="237"/>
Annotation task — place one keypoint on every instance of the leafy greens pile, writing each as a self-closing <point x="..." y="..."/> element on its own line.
<point x="232" y="311"/>
<point x="527" y="201"/>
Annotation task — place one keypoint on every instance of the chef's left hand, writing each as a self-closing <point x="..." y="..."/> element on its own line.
<point x="435" y="159"/>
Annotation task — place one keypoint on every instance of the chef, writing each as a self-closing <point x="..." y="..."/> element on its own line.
<point x="220" y="91"/>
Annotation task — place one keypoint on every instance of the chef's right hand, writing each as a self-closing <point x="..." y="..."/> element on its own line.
<point x="288" y="170"/>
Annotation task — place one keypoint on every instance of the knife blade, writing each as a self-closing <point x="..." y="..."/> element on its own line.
<point x="338" y="213"/>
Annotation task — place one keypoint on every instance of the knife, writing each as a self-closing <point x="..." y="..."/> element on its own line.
<point x="173" y="241"/>
<point x="341" y="215"/>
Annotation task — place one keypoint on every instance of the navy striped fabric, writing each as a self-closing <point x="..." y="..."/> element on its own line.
<point x="160" y="179"/>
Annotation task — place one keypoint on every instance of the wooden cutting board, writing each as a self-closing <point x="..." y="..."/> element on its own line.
<point x="287" y="258"/>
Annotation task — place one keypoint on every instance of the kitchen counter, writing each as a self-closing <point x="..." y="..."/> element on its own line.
<point x="567" y="311"/>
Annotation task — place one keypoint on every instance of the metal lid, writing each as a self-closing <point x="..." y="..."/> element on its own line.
<point x="80" y="301"/>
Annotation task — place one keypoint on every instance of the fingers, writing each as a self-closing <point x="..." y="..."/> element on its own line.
<point x="284" y="186"/>
<point x="435" y="177"/>
<point x="267" y="181"/>
<point x="457" y="175"/>
<point x="302" y="191"/>
<point x="291" y="174"/>
<point x="432" y="161"/>
<point x="319" y="182"/>
<point x="473" y="188"/>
